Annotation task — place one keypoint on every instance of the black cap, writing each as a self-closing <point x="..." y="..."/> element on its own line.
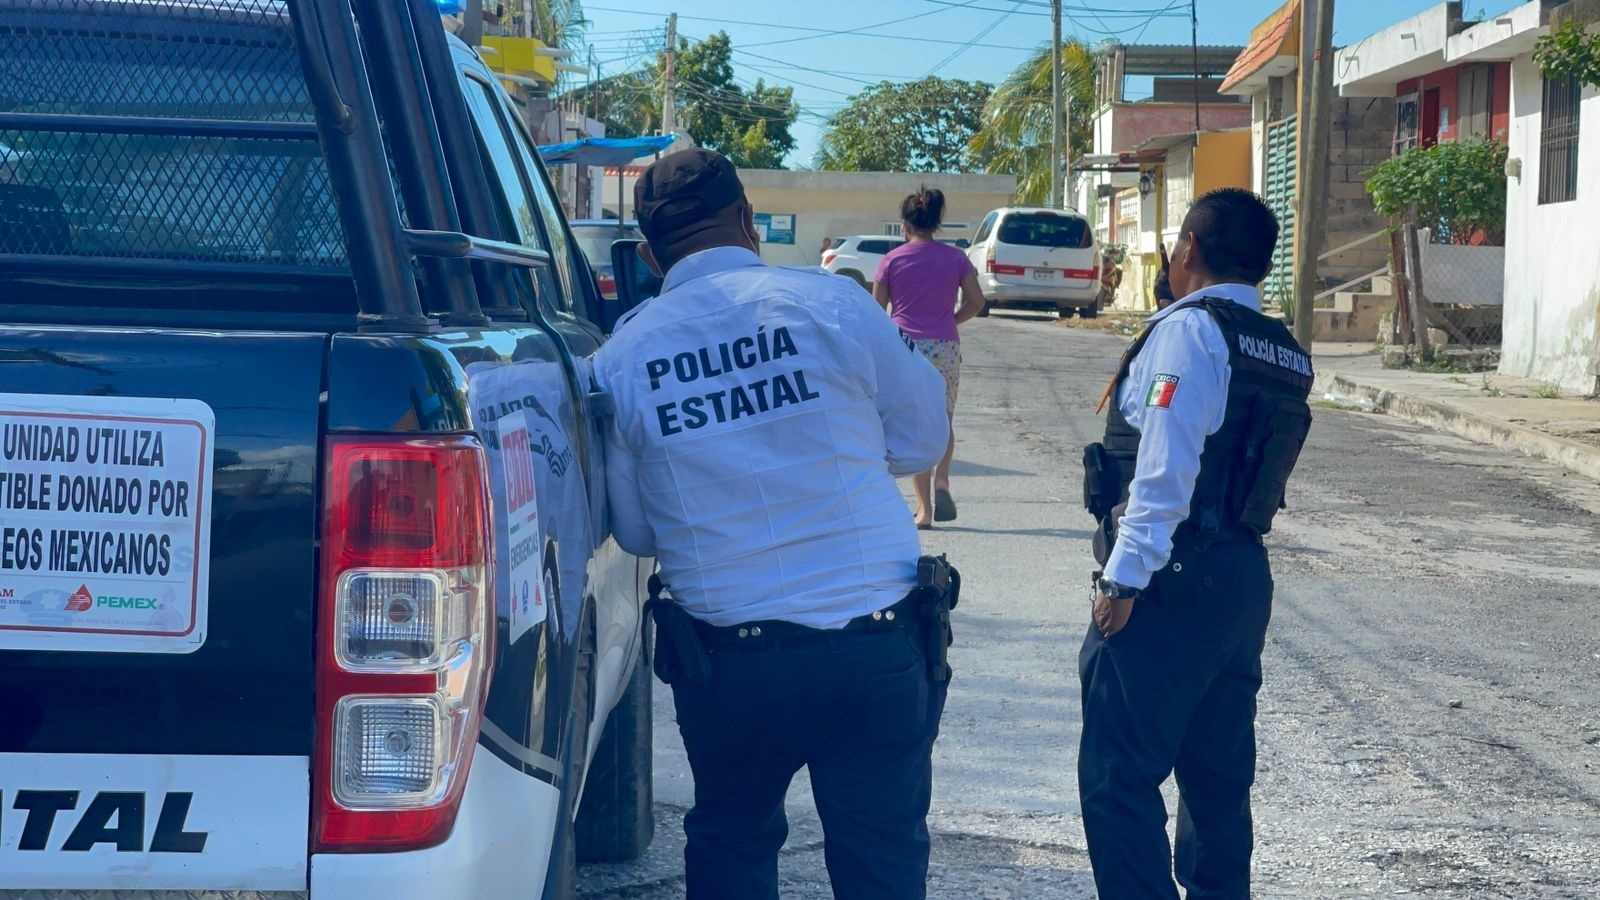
<point x="681" y="193"/>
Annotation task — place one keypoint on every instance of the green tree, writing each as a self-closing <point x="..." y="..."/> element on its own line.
<point x="918" y="126"/>
<point x="1016" y="131"/>
<point x="1569" y="51"/>
<point x="559" y="23"/>
<point x="629" y="104"/>
<point x="751" y="126"/>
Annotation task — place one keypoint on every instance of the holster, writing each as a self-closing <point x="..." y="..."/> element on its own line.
<point x="1105" y="533"/>
<point x="937" y="592"/>
<point x="1101" y="486"/>
<point x="679" y="654"/>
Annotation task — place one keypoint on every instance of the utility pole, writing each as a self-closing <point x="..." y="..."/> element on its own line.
<point x="1194" y="49"/>
<point x="669" y="74"/>
<point x="472" y="25"/>
<point x="1057" y="108"/>
<point x="1313" y="200"/>
<point x="595" y="80"/>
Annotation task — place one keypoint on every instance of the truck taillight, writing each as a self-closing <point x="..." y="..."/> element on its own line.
<point x="829" y="257"/>
<point x="404" y="638"/>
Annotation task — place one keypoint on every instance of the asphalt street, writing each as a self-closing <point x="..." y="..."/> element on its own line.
<point x="1430" y="723"/>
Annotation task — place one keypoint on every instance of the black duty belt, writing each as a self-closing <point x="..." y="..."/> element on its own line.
<point x="682" y="641"/>
<point x="766" y="633"/>
<point x="1194" y="536"/>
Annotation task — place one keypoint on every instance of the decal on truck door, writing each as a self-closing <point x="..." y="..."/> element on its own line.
<point x="528" y="592"/>
<point x="105" y="523"/>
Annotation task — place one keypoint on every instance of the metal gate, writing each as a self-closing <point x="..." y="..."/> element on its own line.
<point x="1280" y="184"/>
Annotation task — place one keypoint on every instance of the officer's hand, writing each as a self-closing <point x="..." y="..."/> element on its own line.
<point x="1111" y="616"/>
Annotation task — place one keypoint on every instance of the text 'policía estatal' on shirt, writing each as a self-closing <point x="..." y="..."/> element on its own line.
<point x="759" y="395"/>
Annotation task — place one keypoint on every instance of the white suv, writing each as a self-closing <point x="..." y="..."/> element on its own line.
<point x="857" y="256"/>
<point x="1040" y="258"/>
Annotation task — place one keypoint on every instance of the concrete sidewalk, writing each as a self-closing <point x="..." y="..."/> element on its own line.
<point x="1512" y="413"/>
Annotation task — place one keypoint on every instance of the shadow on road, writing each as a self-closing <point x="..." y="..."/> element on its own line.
<point x="1070" y="534"/>
<point x="1022" y="315"/>
<point x="962" y="469"/>
<point x="962" y="866"/>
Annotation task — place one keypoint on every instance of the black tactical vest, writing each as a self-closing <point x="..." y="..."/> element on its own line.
<point x="1245" y="465"/>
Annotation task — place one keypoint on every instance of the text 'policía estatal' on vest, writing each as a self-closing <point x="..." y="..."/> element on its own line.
<point x="771" y="392"/>
<point x="1276" y="354"/>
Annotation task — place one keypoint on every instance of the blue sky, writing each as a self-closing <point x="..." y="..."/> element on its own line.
<point x="827" y="50"/>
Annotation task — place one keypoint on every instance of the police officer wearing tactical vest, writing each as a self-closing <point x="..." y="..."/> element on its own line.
<point x="1209" y="417"/>
<point x="761" y="415"/>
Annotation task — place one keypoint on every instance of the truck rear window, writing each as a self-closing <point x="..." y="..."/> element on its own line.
<point x="1043" y="230"/>
<point x="88" y="183"/>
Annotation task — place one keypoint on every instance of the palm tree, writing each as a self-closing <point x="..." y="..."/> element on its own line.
<point x="1016" y="131"/>
<point x="559" y="23"/>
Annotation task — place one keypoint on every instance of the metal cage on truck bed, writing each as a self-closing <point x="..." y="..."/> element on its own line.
<point x="306" y="155"/>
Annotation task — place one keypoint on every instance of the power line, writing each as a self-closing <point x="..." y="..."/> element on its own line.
<point x="1172" y="10"/>
<point x="820" y="32"/>
<point x="1112" y="12"/>
<point x="977" y="37"/>
<point x="861" y="29"/>
<point x="816" y="71"/>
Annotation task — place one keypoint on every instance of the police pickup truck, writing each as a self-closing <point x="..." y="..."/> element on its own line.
<point x="306" y="583"/>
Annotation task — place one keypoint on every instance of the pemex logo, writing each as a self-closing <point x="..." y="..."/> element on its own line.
<point x="81" y="600"/>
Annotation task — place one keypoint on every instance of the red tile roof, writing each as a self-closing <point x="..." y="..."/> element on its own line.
<point x="1263" y="47"/>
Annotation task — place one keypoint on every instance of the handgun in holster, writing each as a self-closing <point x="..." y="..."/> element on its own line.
<point x="938" y="591"/>
<point x="679" y="654"/>
<point x="1101" y="485"/>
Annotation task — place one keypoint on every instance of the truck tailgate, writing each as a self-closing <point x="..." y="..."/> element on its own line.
<point x="158" y="515"/>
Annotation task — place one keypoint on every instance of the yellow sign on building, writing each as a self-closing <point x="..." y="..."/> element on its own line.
<point x="521" y="57"/>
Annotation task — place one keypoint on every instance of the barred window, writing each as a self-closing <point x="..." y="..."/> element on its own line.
<point x="1406" y="112"/>
<point x="1558" y="140"/>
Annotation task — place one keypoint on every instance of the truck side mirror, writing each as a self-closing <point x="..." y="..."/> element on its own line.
<point x="635" y="282"/>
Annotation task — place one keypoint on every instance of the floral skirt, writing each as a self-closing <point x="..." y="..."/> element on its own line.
<point x="946" y="357"/>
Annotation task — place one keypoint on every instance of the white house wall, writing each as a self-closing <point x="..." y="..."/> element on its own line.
<point x="1552" y="267"/>
<point x="1372" y="66"/>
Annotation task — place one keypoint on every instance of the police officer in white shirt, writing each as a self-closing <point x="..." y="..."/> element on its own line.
<point x="761" y="416"/>
<point x="1209" y="419"/>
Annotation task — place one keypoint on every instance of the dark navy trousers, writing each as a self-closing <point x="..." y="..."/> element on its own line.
<point x="1175" y="692"/>
<point x="857" y="709"/>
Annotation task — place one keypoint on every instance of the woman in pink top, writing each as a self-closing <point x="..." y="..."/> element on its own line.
<point x="918" y="283"/>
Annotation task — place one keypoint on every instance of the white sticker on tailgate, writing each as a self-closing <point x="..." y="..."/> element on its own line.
<point x="89" y="821"/>
<point x="105" y="523"/>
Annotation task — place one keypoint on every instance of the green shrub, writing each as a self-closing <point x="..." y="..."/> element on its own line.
<point x="1460" y="187"/>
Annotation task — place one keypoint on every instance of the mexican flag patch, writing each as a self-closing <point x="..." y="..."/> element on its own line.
<point x="1161" y="391"/>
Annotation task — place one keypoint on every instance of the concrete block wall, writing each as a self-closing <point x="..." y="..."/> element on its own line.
<point x="1362" y="135"/>
<point x="1352" y="318"/>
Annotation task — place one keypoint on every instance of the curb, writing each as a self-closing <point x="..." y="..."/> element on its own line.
<point x="1442" y="415"/>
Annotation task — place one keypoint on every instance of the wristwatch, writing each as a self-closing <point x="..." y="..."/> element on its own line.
<point x="1114" y="591"/>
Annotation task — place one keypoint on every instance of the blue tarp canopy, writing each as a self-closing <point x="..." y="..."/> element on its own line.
<point x="609" y="152"/>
